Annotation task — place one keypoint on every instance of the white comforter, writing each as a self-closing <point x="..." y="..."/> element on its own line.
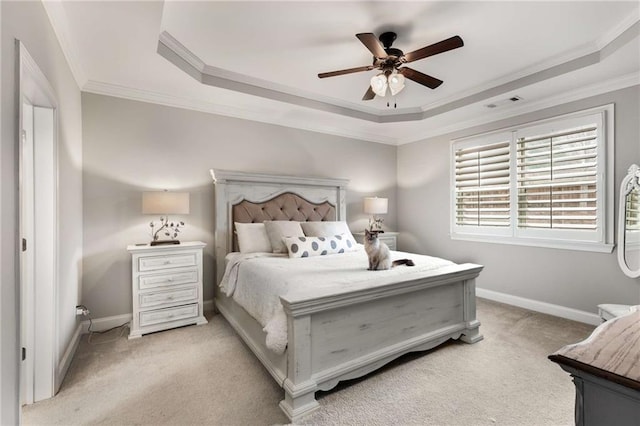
<point x="257" y="280"/>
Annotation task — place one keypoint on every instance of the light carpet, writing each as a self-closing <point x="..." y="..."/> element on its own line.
<point x="205" y="375"/>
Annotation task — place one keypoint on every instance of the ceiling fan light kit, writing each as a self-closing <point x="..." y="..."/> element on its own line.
<point x="379" y="84"/>
<point x="390" y="61"/>
<point x="389" y="80"/>
<point x="396" y="83"/>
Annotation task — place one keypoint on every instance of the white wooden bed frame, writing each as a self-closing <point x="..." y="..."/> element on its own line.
<point x="343" y="336"/>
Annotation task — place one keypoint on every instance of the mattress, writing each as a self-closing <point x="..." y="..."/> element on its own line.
<point x="256" y="281"/>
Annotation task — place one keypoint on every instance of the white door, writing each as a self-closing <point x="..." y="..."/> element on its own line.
<point x="27" y="264"/>
<point x="39" y="232"/>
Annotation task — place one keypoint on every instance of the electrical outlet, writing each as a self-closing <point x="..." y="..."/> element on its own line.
<point x="82" y="310"/>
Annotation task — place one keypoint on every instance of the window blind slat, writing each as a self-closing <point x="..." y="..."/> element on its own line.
<point x="530" y="163"/>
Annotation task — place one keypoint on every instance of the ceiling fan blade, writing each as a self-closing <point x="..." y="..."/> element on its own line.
<point x="370" y="94"/>
<point x="418" y="77"/>
<point x="371" y="42"/>
<point x="440" y="47"/>
<point x="347" y="71"/>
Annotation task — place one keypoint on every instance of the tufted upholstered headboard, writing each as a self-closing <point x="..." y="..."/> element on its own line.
<point x="286" y="206"/>
<point x="250" y="197"/>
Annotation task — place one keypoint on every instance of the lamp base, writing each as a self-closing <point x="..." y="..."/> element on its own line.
<point x="163" y="242"/>
<point x="375" y="224"/>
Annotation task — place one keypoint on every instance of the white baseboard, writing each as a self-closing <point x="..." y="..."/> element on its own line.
<point x="106" y="323"/>
<point x="117" y="320"/>
<point x="536" y="305"/>
<point x="65" y="361"/>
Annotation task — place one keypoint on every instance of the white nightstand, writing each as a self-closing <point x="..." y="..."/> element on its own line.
<point x="389" y="238"/>
<point x="166" y="286"/>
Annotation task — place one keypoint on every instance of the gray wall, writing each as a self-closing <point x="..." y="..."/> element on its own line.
<point x="133" y="146"/>
<point x="28" y="22"/>
<point x="574" y="279"/>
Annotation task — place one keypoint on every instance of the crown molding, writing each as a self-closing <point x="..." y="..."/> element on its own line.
<point x="262" y="116"/>
<point x="60" y="24"/>
<point x="619" y="83"/>
<point x="617" y="31"/>
<point x="178" y="48"/>
<point x="108" y="89"/>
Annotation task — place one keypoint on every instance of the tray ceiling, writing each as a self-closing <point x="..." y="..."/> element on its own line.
<point x="260" y="60"/>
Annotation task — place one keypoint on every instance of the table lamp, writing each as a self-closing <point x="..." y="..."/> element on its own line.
<point x="165" y="203"/>
<point x="375" y="206"/>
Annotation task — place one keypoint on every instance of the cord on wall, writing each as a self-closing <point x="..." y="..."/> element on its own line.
<point x="83" y="310"/>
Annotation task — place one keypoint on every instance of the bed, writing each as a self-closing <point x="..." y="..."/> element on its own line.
<point x="336" y="335"/>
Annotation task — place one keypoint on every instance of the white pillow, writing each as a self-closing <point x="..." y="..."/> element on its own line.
<point x="318" y="246"/>
<point x="325" y="229"/>
<point x="278" y="229"/>
<point x="252" y="238"/>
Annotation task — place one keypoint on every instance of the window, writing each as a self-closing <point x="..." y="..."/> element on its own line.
<point x="547" y="183"/>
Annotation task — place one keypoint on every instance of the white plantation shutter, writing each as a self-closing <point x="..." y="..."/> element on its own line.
<point x="557" y="179"/>
<point x="548" y="184"/>
<point x="482" y="185"/>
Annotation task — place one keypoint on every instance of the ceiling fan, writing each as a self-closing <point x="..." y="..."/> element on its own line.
<point x="390" y="62"/>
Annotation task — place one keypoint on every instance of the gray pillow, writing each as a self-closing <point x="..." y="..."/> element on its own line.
<point x="325" y="229"/>
<point x="278" y="229"/>
<point x="252" y="238"/>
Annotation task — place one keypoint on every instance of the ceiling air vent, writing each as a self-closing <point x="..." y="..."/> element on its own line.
<point x="510" y="100"/>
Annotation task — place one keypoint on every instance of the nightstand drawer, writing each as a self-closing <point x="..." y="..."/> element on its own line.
<point x="165" y="279"/>
<point x="182" y="296"/>
<point x="152" y="263"/>
<point x="170" y="314"/>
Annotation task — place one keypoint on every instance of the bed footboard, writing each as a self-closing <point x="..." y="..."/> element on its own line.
<point x="345" y="336"/>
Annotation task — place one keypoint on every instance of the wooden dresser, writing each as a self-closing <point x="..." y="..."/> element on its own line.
<point x="606" y="373"/>
<point x="166" y="283"/>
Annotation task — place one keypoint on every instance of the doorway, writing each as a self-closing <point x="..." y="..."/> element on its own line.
<point x="38" y="231"/>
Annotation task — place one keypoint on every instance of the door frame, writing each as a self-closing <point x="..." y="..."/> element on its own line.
<point x="40" y="307"/>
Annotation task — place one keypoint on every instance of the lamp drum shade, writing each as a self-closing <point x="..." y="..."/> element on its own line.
<point x="375" y="205"/>
<point x="165" y="202"/>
